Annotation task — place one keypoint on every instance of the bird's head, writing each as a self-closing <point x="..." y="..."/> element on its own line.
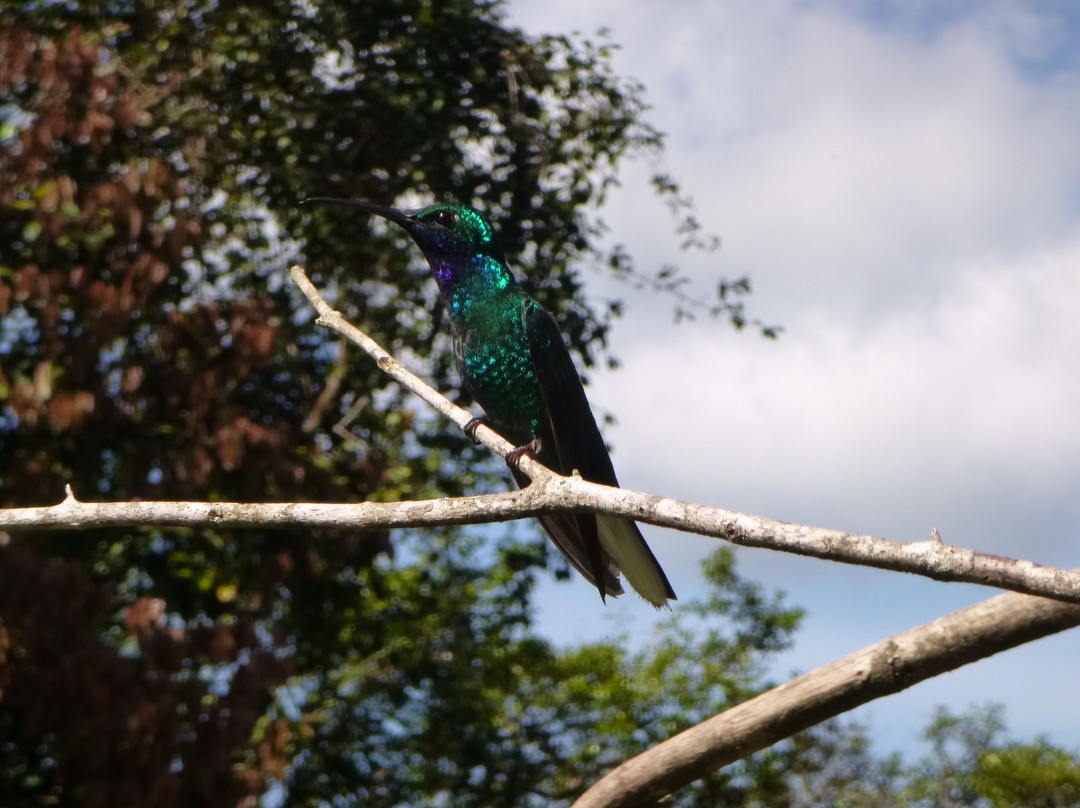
<point x="459" y="243"/>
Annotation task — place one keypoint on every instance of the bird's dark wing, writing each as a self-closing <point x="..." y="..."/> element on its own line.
<point x="574" y="432"/>
<point x="578" y="441"/>
<point x="579" y="445"/>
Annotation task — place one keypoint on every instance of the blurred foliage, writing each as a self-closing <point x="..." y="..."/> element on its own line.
<point x="973" y="764"/>
<point x="970" y="764"/>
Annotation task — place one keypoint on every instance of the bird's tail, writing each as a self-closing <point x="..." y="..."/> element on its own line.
<point x="622" y="540"/>
<point x="565" y="533"/>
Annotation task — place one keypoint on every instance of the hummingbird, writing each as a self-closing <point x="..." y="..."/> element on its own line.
<point x="512" y="360"/>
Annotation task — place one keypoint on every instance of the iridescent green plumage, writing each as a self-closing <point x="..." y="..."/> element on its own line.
<point x="514" y="363"/>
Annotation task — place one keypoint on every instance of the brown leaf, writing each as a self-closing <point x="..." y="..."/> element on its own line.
<point x="133" y="379"/>
<point x="67" y="187"/>
<point x="230" y="445"/>
<point x="42" y="135"/>
<point x="23" y="403"/>
<point x="25" y="282"/>
<point x="135" y="220"/>
<point x="260" y="338"/>
<point x="159" y="271"/>
<point x="84" y="404"/>
<point x="197" y="467"/>
<point x="61" y="412"/>
<point x="143" y="615"/>
<point x="43" y="381"/>
<point x="131" y="177"/>
<point x="154" y="177"/>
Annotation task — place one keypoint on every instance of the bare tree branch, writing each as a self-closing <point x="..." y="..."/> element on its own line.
<point x="72" y="514"/>
<point x="886" y="667"/>
<point x="551" y="492"/>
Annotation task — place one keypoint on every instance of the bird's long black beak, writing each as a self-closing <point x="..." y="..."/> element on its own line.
<point x="393" y="214"/>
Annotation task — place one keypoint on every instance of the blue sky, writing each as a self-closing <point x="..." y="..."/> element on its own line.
<point x="903" y="187"/>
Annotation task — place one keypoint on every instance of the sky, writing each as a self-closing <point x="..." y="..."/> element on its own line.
<point x="901" y="182"/>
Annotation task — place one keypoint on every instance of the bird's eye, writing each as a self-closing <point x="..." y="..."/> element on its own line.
<point x="446" y="218"/>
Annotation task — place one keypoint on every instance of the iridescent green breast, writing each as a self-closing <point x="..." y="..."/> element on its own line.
<point x="492" y="349"/>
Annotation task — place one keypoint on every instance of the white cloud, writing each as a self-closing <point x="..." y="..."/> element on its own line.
<point x="853" y="166"/>
<point x="925" y="409"/>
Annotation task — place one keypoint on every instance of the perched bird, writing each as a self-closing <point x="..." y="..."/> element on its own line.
<point x="513" y="362"/>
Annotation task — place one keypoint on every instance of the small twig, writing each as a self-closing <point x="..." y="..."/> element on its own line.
<point x="551" y="492"/>
<point x="341" y="428"/>
<point x="330" y="391"/>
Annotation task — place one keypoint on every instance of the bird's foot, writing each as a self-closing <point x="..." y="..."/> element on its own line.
<point x="513" y="457"/>
<point x="472" y="424"/>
